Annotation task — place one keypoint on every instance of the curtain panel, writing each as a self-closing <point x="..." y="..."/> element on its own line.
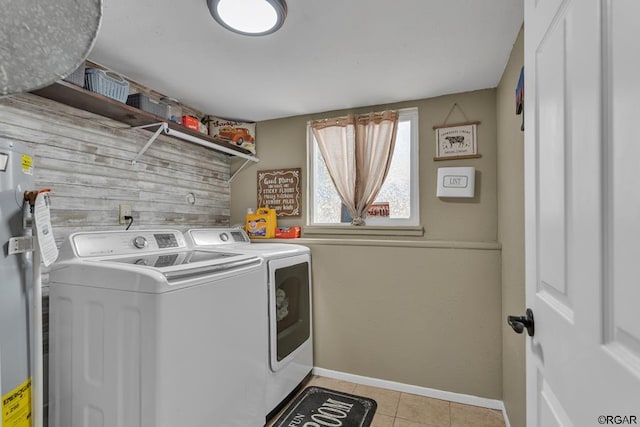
<point x="357" y="151"/>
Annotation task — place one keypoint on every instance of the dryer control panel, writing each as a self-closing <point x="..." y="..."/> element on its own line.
<point x="126" y="242"/>
<point x="217" y="236"/>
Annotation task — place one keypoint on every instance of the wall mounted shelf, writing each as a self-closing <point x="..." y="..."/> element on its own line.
<point x="75" y="96"/>
<point x="164" y="128"/>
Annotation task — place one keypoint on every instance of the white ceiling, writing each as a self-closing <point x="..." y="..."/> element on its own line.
<point x="330" y="54"/>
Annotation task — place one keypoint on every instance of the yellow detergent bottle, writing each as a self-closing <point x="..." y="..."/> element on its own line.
<point x="262" y="224"/>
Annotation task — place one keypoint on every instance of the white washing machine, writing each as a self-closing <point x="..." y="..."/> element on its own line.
<point x="290" y="317"/>
<point x="145" y="332"/>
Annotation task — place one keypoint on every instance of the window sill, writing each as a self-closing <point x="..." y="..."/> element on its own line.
<point x="386" y="243"/>
<point x="365" y="230"/>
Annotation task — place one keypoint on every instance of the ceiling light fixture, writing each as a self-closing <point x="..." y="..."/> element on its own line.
<point x="249" y="17"/>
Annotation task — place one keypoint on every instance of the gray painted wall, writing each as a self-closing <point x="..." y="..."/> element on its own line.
<point x="511" y="234"/>
<point x="417" y="310"/>
<point x="282" y="144"/>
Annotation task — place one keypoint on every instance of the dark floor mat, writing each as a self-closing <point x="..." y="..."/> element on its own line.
<point x="321" y="406"/>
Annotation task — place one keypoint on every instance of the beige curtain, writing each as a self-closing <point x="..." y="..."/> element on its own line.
<point x="357" y="151"/>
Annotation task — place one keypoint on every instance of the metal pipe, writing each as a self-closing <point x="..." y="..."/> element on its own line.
<point x="37" y="377"/>
<point x="37" y="396"/>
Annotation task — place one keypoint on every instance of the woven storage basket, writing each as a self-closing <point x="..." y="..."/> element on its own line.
<point x="149" y="104"/>
<point x="106" y="83"/>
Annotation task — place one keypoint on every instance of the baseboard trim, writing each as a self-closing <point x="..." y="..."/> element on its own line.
<point x="505" y="416"/>
<point x="466" y="399"/>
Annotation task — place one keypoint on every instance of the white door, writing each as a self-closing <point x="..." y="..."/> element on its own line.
<point x="582" y="168"/>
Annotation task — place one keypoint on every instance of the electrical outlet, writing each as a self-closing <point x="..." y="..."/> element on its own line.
<point x="125" y="210"/>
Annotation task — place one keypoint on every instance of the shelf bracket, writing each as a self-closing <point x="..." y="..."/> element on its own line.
<point x="239" y="169"/>
<point x="162" y="128"/>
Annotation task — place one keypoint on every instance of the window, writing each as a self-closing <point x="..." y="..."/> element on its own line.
<point x="399" y="191"/>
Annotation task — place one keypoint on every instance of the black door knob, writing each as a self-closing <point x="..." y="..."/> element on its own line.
<point x="519" y="323"/>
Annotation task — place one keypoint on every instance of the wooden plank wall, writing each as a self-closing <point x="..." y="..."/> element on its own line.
<point x="85" y="160"/>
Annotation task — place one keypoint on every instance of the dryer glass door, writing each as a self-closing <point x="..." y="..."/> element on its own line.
<point x="290" y="307"/>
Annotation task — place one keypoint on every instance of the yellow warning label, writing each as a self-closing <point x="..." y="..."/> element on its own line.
<point x="27" y="164"/>
<point x="16" y="406"/>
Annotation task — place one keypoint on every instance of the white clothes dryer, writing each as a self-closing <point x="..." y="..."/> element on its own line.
<point x="145" y="332"/>
<point x="290" y="316"/>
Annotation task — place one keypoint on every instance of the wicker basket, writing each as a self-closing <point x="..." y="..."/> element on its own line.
<point x="106" y="83"/>
<point x="146" y="103"/>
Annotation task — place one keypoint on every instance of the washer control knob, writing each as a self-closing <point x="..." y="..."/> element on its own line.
<point x="140" y="242"/>
<point x="224" y="237"/>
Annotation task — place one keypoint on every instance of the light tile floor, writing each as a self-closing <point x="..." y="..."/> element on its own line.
<point x="396" y="409"/>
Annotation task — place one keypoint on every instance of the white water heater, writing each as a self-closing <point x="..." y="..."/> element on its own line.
<point x="16" y="176"/>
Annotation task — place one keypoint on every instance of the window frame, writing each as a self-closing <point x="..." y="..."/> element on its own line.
<point x="405" y="114"/>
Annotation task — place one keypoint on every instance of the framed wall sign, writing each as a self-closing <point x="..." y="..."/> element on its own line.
<point x="279" y="189"/>
<point x="456" y="141"/>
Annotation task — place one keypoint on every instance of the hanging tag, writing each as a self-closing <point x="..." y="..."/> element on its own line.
<point x="20" y="245"/>
<point x="42" y="218"/>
